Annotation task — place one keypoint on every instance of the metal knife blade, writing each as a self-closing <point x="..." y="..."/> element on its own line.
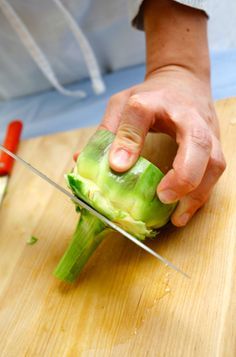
<point x="93" y="211"/>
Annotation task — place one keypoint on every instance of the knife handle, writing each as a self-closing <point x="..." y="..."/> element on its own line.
<point x="11" y="142"/>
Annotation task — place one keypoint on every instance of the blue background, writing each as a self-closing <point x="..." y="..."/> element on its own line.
<point x="50" y="112"/>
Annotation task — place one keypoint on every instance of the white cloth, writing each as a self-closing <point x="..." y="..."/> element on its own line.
<point x="135" y="9"/>
<point x="221" y="25"/>
<point x="106" y="26"/>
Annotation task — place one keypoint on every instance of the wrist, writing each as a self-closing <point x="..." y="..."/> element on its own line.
<point x="176" y="37"/>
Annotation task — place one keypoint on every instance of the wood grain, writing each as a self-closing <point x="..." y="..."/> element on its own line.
<point x="124" y="302"/>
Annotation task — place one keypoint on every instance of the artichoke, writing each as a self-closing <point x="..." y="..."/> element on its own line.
<point x="128" y="199"/>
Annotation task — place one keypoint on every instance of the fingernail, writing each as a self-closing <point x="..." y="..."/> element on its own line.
<point x="121" y="158"/>
<point x="183" y="219"/>
<point x="167" y="196"/>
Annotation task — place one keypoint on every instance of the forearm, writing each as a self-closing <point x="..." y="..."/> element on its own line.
<point x="176" y="35"/>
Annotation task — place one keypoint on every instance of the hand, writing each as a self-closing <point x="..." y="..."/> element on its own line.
<point x="174" y="101"/>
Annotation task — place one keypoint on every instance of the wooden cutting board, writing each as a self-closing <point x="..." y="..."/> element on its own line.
<point x="125" y="302"/>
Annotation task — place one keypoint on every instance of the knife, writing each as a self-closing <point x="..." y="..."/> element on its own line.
<point x="83" y="204"/>
<point x="11" y="142"/>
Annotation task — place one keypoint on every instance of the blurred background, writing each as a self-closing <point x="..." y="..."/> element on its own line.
<point x="119" y="49"/>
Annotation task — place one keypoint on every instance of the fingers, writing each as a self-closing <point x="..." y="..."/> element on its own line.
<point x="193" y="155"/>
<point x="189" y="204"/>
<point x="114" y="111"/>
<point x="112" y="114"/>
<point x="135" y="122"/>
<point x="199" y="161"/>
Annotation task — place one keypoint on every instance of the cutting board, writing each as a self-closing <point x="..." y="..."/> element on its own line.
<point x="125" y="302"/>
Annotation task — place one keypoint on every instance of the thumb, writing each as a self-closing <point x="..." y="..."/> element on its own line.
<point x="133" y="127"/>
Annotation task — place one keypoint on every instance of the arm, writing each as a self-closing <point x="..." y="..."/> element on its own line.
<point x="175" y="98"/>
<point x="176" y="35"/>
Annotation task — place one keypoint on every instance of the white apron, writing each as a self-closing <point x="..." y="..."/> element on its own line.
<point x="49" y="43"/>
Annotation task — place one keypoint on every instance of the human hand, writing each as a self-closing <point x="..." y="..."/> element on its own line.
<point x="174" y="101"/>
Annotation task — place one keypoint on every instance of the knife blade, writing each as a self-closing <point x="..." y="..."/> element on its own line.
<point x="11" y="142"/>
<point x="83" y="204"/>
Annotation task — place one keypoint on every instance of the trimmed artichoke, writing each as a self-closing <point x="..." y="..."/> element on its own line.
<point x="129" y="199"/>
